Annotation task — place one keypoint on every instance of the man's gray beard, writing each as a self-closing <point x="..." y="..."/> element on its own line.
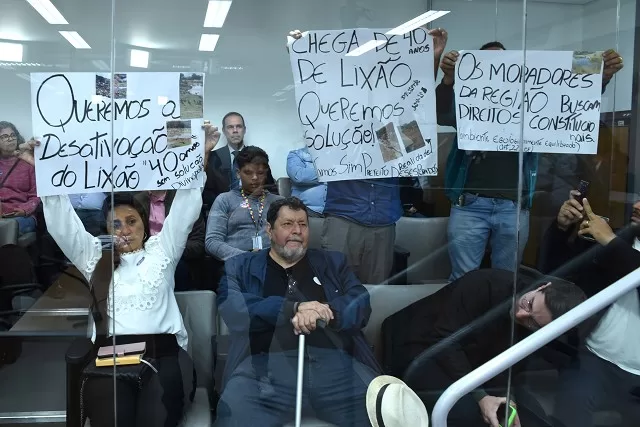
<point x="289" y="255"/>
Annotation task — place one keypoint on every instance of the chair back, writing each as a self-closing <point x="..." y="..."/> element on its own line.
<point x="426" y="240"/>
<point x="284" y="186"/>
<point x="8" y="232"/>
<point x="199" y="312"/>
<point x="315" y="232"/>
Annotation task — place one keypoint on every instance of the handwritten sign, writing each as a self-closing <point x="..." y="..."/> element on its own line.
<point x="141" y="131"/>
<point x="367" y="114"/>
<point x="557" y="111"/>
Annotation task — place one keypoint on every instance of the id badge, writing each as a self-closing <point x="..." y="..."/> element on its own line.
<point x="257" y="243"/>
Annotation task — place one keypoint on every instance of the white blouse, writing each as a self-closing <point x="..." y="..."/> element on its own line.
<point x="141" y="295"/>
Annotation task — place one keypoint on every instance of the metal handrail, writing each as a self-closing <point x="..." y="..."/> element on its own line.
<point x="530" y="344"/>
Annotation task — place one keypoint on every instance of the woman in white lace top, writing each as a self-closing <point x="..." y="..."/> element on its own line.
<point x="141" y="305"/>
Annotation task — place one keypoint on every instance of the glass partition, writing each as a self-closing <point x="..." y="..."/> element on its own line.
<point x="255" y="207"/>
<point x="47" y="256"/>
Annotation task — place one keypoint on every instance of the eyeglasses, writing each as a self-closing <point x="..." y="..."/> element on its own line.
<point x="8" y="137"/>
<point x="531" y="322"/>
<point x="292" y="285"/>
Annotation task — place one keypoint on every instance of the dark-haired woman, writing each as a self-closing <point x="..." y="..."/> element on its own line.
<point x="236" y="222"/>
<point x="18" y="199"/>
<point x="141" y="305"/>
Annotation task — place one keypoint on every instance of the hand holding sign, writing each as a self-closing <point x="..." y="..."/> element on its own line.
<point x="612" y="64"/>
<point x="293" y="35"/>
<point x="212" y="136"/>
<point x="440" y="37"/>
<point x="25" y="150"/>
<point x="448" y="67"/>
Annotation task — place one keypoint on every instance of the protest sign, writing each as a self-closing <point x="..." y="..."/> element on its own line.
<point x="366" y="113"/>
<point x="557" y="110"/>
<point x="147" y="137"/>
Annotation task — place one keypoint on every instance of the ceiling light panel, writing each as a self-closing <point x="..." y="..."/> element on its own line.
<point x="48" y="11"/>
<point x="74" y="38"/>
<point x="401" y="29"/>
<point x="416" y="22"/>
<point x="371" y="44"/>
<point x="208" y="42"/>
<point x="217" y="11"/>
<point x="139" y="58"/>
<point x="11" y="52"/>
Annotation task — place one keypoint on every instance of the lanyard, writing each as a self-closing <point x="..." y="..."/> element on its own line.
<point x="258" y="223"/>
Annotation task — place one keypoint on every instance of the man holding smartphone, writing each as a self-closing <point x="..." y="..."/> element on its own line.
<point x="605" y="369"/>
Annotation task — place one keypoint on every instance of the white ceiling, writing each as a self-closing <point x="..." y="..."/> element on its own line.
<point x="253" y="32"/>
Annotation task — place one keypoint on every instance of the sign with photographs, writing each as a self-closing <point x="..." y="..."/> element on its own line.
<point x="126" y="132"/>
<point x="366" y="102"/>
<point x="557" y="112"/>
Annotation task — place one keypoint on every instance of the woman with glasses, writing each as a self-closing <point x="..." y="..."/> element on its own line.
<point x="18" y="199"/>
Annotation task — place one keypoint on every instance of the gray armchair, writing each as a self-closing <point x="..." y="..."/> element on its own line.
<point x="199" y="312"/>
<point x="8" y="232"/>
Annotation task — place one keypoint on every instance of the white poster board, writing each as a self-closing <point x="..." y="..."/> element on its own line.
<point x="366" y="114"/>
<point x="561" y="101"/>
<point x="150" y="137"/>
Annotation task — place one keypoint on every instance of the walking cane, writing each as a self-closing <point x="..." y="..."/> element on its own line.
<point x="319" y="324"/>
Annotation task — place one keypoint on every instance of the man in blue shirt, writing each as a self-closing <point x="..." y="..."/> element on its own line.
<point x="88" y="206"/>
<point x="304" y="181"/>
<point x="360" y="221"/>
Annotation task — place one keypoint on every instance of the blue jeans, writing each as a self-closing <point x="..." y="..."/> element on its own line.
<point x="334" y="389"/>
<point x="26" y="224"/>
<point x="485" y="220"/>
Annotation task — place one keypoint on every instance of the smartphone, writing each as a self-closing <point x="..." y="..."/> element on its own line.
<point x="583" y="189"/>
<point x="512" y="415"/>
<point x="122" y="350"/>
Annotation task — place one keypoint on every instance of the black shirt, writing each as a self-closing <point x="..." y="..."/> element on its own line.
<point x="296" y="284"/>
<point x="480" y="305"/>
<point x="494" y="174"/>
<point x="491" y="173"/>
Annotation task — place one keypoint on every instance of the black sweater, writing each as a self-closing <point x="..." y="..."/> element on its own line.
<point x="587" y="264"/>
<point x="476" y="324"/>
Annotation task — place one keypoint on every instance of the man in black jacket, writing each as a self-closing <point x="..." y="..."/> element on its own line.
<point x="221" y="170"/>
<point x="473" y="327"/>
<point x="605" y="371"/>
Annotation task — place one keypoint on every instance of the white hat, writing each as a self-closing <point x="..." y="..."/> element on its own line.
<point x="391" y="403"/>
